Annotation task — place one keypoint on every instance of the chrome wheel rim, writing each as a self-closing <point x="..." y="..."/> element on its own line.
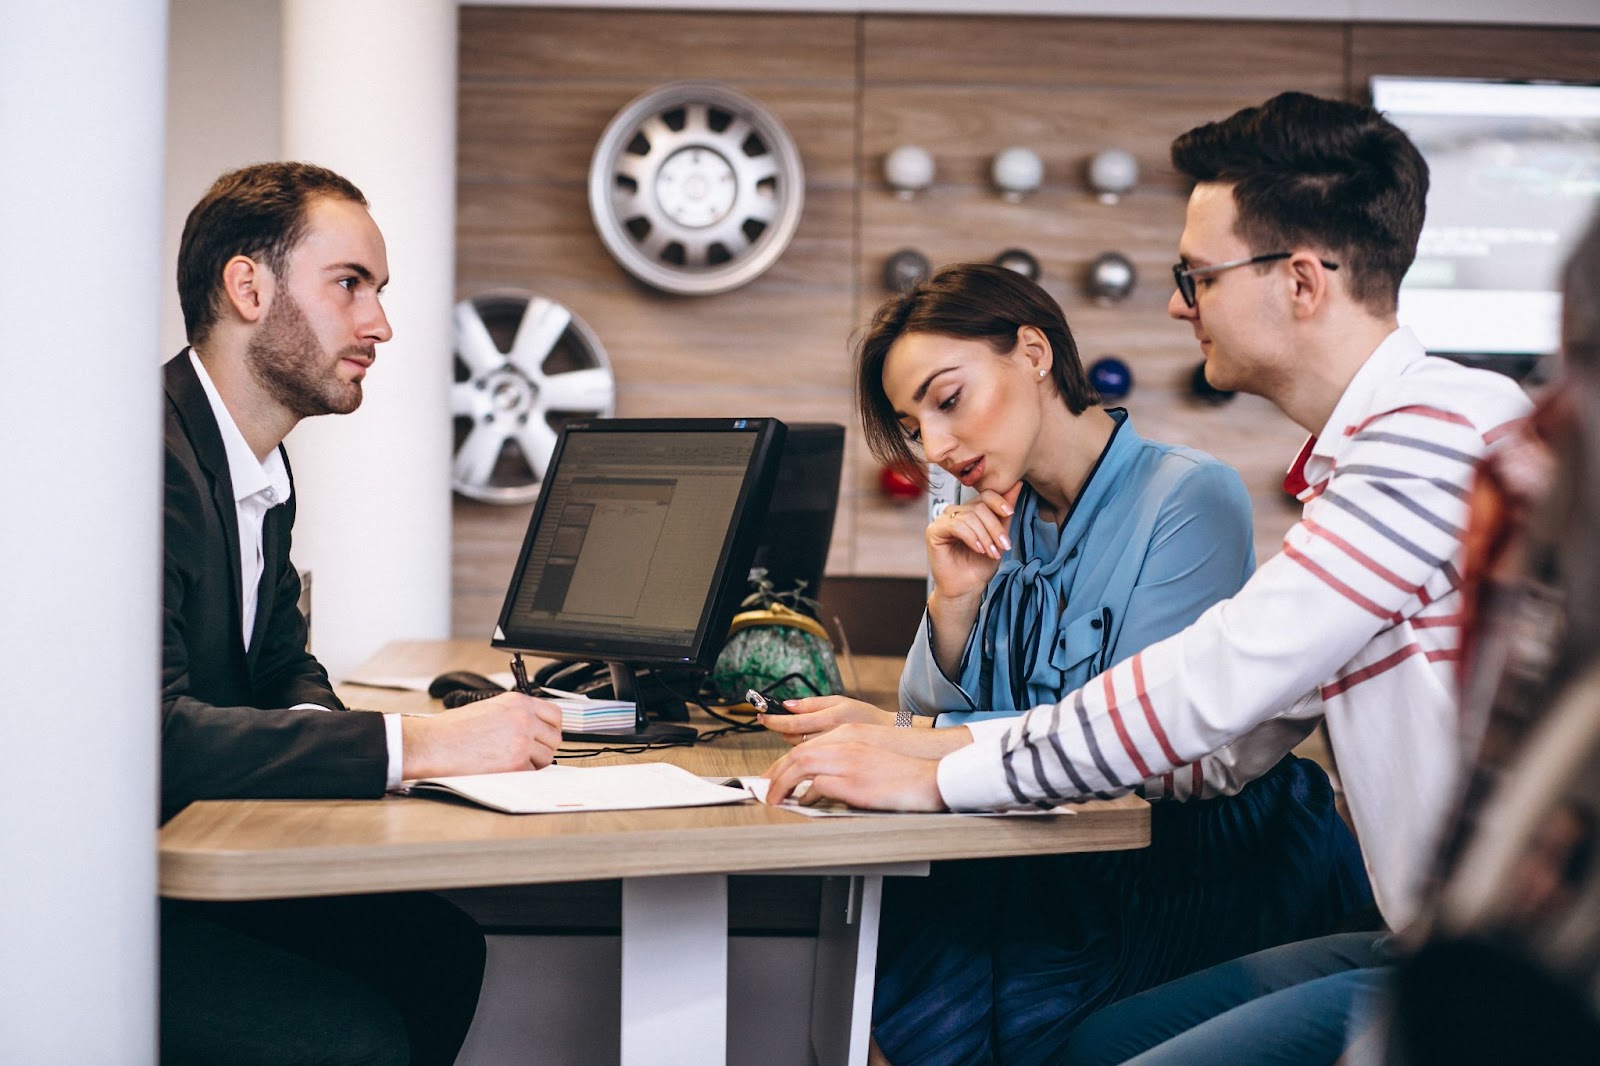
<point x="696" y="188"/>
<point x="524" y="365"/>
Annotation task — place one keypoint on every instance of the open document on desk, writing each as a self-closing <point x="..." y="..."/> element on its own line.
<point x="636" y="786"/>
<point x="834" y="809"/>
<point x="556" y="789"/>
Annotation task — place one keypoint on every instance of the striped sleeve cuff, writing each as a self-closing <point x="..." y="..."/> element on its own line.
<point x="973" y="778"/>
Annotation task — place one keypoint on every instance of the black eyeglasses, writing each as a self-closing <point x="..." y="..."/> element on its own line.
<point x="1184" y="275"/>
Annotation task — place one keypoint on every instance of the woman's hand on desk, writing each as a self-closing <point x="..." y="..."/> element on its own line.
<point x="820" y="714"/>
<point x="858" y="772"/>
<point x="506" y="732"/>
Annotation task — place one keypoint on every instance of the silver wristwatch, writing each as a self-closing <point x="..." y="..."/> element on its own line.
<point x="902" y="719"/>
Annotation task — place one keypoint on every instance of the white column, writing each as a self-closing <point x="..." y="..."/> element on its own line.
<point x="369" y="90"/>
<point x="81" y="89"/>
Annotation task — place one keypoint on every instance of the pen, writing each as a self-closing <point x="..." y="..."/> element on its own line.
<point x="520" y="673"/>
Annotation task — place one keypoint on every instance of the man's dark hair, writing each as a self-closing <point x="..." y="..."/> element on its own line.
<point x="970" y="301"/>
<point x="257" y="211"/>
<point x="1325" y="174"/>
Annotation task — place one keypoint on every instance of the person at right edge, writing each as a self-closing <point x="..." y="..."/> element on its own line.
<point x="1505" y="965"/>
<point x="1304" y="218"/>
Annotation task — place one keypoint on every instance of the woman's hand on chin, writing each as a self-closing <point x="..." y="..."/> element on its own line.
<point x="966" y="541"/>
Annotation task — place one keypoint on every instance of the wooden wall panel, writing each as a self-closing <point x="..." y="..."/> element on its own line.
<point x="965" y="89"/>
<point x="1254" y="59"/>
<point x="511" y="231"/>
<point x="538" y="86"/>
<point x="1560" y="54"/>
<point x="646" y="48"/>
<point x="546" y="131"/>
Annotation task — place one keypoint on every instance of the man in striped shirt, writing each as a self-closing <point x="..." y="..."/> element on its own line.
<point x="1303" y="219"/>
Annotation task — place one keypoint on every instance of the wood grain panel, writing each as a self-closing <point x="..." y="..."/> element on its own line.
<point x="525" y="234"/>
<point x="965" y="127"/>
<point x="538" y="86"/>
<point x="768" y="336"/>
<point x="547" y="131"/>
<point x="1253" y="58"/>
<point x="551" y="44"/>
<point x="1570" y="53"/>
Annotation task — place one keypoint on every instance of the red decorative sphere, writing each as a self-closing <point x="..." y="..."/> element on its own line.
<point x="897" y="487"/>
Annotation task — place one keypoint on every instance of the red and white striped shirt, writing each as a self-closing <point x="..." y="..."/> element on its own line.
<point x="1359" y="617"/>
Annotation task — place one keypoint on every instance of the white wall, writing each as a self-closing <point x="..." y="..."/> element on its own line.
<point x="224" y="78"/>
<point x="81" y="83"/>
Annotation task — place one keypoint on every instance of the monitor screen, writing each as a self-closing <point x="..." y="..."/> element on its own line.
<point x="793" y="549"/>
<point x="640" y="544"/>
<point x="1514" y="178"/>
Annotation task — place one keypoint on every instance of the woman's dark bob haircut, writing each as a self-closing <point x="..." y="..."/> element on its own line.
<point x="968" y="301"/>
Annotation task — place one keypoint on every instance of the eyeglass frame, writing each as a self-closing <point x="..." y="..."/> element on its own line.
<point x="1183" y="276"/>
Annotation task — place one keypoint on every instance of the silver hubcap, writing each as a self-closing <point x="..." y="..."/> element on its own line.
<point x="696" y="188"/>
<point x="524" y="365"/>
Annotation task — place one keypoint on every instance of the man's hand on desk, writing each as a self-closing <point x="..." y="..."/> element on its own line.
<point x="859" y="774"/>
<point x="869" y="766"/>
<point x="507" y="732"/>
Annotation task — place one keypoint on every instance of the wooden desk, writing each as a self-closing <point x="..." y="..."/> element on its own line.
<point x="674" y="865"/>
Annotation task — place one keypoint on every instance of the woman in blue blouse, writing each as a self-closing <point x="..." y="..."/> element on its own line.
<point x="1084" y="544"/>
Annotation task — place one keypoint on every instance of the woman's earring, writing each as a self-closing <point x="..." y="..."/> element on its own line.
<point x="1041" y="373"/>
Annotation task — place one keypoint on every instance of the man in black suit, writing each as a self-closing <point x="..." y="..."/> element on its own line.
<point x="280" y="271"/>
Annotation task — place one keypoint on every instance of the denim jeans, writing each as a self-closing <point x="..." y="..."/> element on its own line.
<point x="1290" y="1004"/>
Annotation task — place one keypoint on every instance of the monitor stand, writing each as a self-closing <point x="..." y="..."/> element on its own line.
<point x="625" y="686"/>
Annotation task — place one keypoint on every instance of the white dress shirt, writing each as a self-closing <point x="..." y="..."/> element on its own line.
<point x="1361" y="609"/>
<point x="257" y="488"/>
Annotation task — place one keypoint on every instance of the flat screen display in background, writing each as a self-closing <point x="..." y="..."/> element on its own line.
<point x="1515" y="177"/>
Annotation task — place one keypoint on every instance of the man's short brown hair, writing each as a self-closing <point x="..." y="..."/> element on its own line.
<point x="257" y="211"/>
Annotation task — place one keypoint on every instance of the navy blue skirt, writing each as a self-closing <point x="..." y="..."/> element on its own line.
<point x="997" y="960"/>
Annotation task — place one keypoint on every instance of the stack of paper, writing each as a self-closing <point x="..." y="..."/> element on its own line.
<point x="579" y="714"/>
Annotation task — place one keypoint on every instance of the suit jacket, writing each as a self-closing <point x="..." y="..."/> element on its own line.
<point x="226" y="730"/>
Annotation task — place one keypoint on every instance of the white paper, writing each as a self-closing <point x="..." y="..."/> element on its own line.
<point x="831" y="809"/>
<point x="556" y="789"/>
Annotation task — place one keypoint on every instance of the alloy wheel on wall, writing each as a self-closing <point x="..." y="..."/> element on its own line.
<point x="524" y="364"/>
<point x="696" y="188"/>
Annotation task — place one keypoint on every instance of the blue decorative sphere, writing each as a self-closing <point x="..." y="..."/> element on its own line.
<point x="1111" y="377"/>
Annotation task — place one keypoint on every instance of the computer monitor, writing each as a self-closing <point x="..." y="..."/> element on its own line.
<point x="640" y="546"/>
<point x="794" y="541"/>
<point x="1514" y="179"/>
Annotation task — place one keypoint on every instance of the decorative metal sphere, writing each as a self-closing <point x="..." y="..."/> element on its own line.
<point x="1112" y="173"/>
<point x="1206" y="392"/>
<point x="904" y="269"/>
<point x="1017" y="172"/>
<point x="1111" y="377"/>
<point x="908" y="170"/>
<point x="1019" y="260"/>
<point x="1111" y="277"/>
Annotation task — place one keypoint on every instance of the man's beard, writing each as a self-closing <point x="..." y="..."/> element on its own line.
<point x="286" y="358"/>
